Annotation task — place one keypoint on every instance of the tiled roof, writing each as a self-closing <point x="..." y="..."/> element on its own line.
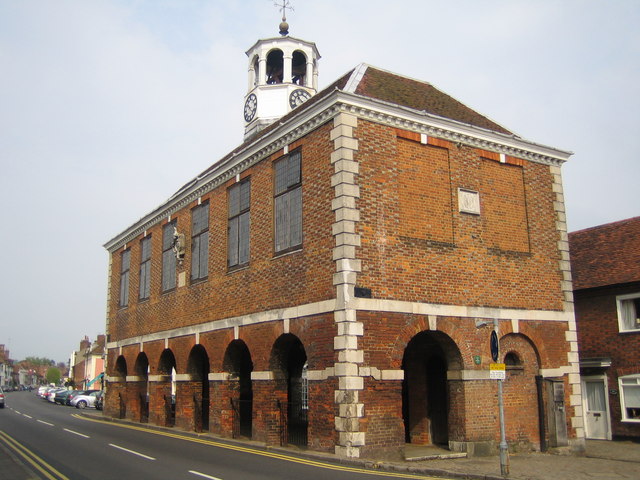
<point x="606" y="255"/>
<point x="407" y="92"/>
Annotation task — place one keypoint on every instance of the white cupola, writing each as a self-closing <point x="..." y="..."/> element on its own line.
<point x="283" y="73"/>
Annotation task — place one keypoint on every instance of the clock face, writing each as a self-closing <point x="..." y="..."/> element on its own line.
<point x="298" y="97"/>
<point x="250" y="107"/>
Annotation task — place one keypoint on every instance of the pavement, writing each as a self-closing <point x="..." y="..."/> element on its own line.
<point x="602" y="460"/>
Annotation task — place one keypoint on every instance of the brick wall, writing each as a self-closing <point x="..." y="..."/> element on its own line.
<point x="416" y="246"/>
<point x="300" y="277"/>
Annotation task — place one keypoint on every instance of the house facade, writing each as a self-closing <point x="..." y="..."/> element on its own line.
<point x="87" y="363"/>
<point x="333" y="282"/>
<point x="606" y="270"/>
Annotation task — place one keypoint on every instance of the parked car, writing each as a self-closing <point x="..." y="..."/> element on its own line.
<point x="61" y="397"/>
<point x="51" y="394"/>
<point x="1" y="398"/>
<point x="86" y="399"/>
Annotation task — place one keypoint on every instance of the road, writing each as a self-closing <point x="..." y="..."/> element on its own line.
<point x="59" y="443"/>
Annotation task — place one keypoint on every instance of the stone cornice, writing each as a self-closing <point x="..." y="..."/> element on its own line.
<point x="422" y="122"/>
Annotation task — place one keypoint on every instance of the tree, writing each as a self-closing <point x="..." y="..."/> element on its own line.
<point x="53" y="375"/>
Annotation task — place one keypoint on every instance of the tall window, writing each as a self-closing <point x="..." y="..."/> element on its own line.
<point x="200" y="241"/>
<point x="125" y="262"/>
<point x="238" y="229"/>
<point x="288" y="203"/>
<point x="168" y="258"/>
<point x="629" y="312"/>
<point x="145" y="268"/>
<point x="630" y="398"/>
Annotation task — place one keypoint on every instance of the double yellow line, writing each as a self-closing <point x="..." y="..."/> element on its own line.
<point x="263" y="453"/>
<point x="34" y="460"/>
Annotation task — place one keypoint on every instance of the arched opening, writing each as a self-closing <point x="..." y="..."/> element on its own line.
<point x="275" y="66"/>
<point x="425" y="390"/>
<point x="121" y="367"/>
<point x="121" y="371"/>
<point x="255" y="64"/>
<point x="167" y="389"/>
<point x="237" y="361"/>
<point x="289" y="363"/>
<point x="141" y="369"/>
<point x="198" y="367"/>
<point x="520" y="389"/>
<point x="299" y="67"/>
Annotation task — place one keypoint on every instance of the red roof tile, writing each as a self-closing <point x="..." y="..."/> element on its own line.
<point x="419" y="95"/>
<point x="606" y="255"/>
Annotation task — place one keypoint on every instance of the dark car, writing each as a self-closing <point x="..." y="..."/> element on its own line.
<point x="61" y="397"/>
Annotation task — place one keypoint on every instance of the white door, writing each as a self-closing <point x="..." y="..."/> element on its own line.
<point x="596" y="414"/>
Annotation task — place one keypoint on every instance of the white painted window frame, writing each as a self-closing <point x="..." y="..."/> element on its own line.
<point x="619" y="301"/>
<point x="623" y="408"/>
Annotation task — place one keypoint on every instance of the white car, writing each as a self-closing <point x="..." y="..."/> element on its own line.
<point x="86" y="399"/>
<point x="51" y="394"/>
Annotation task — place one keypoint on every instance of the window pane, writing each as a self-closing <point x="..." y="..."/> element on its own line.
<point x="234" y="200"/>
<point x="126" y="255"/>
<point x="168" y="270"/>
<point x="595" y="396"/>
<point x="295" y="217"/>
<point x="200" y="219"/>
<point x="631" y="396"/>
<point x="243" y="239"/>
<point x="627" y="311"/>
<point x="232" y="256"/>
<point x="204" y="254"/>
<point x="281" y="176"/>
<point x="245" y="195"/>
<point x="294" y="169"/>
<point x="145" y="249"/>
<point x="282" y="222"/>
<point x="195" y="257"/>
<point x="124" y="289"/>
<point x="167" y="235"/>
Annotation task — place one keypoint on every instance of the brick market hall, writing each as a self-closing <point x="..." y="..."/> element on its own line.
<point x="333" y="282"/>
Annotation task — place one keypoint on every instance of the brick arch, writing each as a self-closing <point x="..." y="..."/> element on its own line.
<point x="520" y="391"/>
<point x="120" y="366"/>
<point x="198" y="363"/>
<point x="287" y="351"/>
<point x="237" y="358"/>
<point x="426" y="393"/>
<point x="516" y="342"/>
<point x="166" y="362"/>
<point x="457" y="353"/>
<point x="141" y="367"/>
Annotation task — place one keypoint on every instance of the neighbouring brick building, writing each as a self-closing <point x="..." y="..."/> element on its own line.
<point x="605" y="262"/>
<point x="333" y="281"/>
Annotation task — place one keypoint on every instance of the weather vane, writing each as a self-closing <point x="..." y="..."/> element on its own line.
<point x="283" y="5"/>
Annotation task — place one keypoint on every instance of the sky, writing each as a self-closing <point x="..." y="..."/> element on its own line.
<point x="107" y="107"/>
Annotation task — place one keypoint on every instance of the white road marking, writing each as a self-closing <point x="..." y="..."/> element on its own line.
<point x="131" y="451"/>
<point x="46" y="423"/>
<point x="17" y="412"/>
<point x="25" y="415"/>
<point x="203" y="475"/>
<point x="76" y="433"/>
